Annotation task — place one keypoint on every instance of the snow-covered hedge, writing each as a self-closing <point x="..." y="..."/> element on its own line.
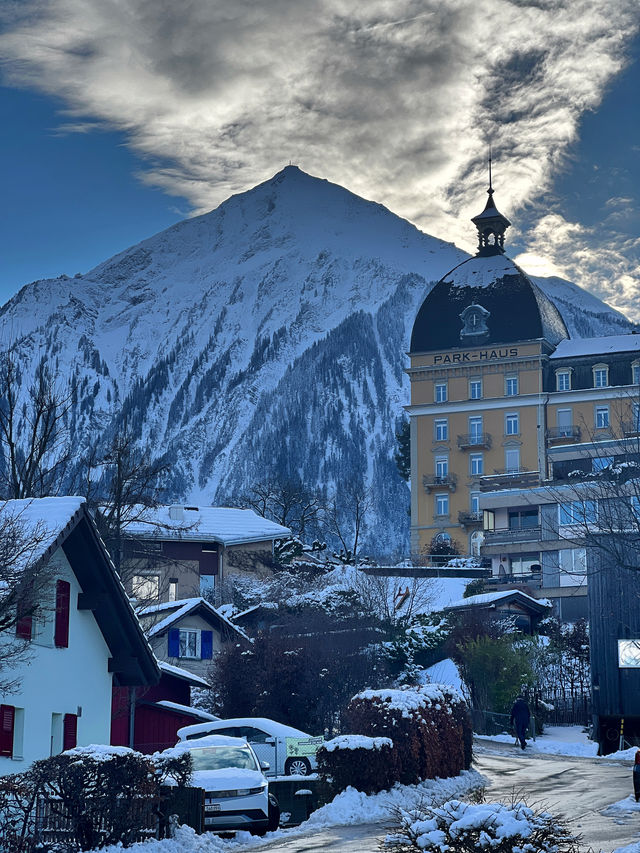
<point x="458" y="827"/>
<point x="358" y="761"/>
<point x="95" y="795"/>
<point x="430" y="733"/>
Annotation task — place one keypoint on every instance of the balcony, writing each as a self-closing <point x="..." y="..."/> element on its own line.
<point x="507" y="536"/>
<point x="435" y="481"/>
<point x="511" y="478"/>
<point x="474" y="439"/>
<point x="468" y="517"/>
<point x="561" y="433"/>
<point x="630" y="428"/>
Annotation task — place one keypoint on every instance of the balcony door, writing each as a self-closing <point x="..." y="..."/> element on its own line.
<point x="564" y="420"/>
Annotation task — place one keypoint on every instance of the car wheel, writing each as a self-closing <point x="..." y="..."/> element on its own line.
<point x="274" y="814"/>
<point x="297" y="767"/>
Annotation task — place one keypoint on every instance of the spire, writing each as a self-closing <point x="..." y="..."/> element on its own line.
<point x="491" y="225"/>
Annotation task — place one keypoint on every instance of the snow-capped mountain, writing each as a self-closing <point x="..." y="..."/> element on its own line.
<point x="268" y="336"/>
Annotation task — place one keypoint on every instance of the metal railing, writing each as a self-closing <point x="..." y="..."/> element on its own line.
<point x="469" y="517"/>
<point x="435" y="481"/>
<point x="508" y="535"/>
<point x="508" y="479"/>
<point x="474" y="439"/>
<point x="557" y="432"/>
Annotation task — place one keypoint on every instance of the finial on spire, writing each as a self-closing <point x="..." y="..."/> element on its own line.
<point x="491" y="224"/>
<point x="490" y="190"/>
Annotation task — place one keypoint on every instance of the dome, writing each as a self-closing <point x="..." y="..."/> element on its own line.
<point x="486" y="299"/>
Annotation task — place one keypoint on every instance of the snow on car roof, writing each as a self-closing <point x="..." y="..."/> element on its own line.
<point x="270" y="726"/>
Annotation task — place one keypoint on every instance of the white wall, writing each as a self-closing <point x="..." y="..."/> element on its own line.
<point x="58" y="681"/>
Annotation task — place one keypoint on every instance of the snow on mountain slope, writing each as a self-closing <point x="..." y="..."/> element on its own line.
<point x="266" y="336"/>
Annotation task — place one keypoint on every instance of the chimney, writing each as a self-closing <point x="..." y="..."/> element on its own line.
<point x="176" y="513"/>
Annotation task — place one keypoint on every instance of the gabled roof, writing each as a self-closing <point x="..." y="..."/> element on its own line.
<point x="177" y="610"/>
<point x="227" y="525"/>
<point x="493" y="599"/>
<point x="64" y="522"/>
<point x="182" y="674"/>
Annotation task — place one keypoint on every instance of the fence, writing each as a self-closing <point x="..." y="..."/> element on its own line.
<point x="491" y="723"/>
<point x="568" y="710"/>
<point x="54" y="823"/>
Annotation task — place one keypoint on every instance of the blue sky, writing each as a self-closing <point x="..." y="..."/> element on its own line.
<point x="120" y="120"/>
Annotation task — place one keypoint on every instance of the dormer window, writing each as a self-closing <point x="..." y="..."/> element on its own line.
<point x="600" y="375"/>
<point x="563" y="380"/>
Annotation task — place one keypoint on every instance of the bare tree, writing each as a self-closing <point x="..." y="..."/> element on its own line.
<point x="286" y="502"/>
<point x="34" y="438"/>
<point x="345" y="517"/>
<point x="25" y="588"/>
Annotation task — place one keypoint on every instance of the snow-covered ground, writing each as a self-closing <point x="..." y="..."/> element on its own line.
<point x="564" y="740"/>
<point x="348" y="808"/>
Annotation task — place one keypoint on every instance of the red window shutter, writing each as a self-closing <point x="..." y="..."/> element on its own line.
<point x="7" y="719"/>
<point x="24" y="627"/>
<point x="70" y="731"/>
<point x="63" y="597"/>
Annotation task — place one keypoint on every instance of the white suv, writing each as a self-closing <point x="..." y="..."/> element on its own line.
<point x="236" y="790"/>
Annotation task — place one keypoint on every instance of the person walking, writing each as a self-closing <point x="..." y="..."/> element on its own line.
<point x="520" y="716"/>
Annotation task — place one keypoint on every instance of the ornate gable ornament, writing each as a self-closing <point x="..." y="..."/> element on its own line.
<point x="474" y="323"/>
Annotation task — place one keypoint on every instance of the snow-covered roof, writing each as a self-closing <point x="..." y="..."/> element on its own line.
<point x="488" y="598"/>
<point x="185" y="709"/>
<point x="596" y="346"/>
<point x="227" y="525"/>
<point x="183" y="674"/>
<point x="40" y="522"/>
<point x="481" y="271"/>
<point x="178" y="610"/>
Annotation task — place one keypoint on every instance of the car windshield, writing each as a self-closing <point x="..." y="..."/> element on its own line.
<point x="222" y="757"/>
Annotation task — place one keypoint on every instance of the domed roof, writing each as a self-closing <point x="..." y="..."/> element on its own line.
<point x="504" y="306"/>
<point x="486" y="299"/>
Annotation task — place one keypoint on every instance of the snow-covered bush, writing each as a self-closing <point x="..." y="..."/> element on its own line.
<point x="430" y="729"/>
<point x="93" y="795"/>
<point x="457" y="827"/>
<point x="357" y="760"/>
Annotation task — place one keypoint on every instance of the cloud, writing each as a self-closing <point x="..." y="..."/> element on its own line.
<point x="395" y="99"/>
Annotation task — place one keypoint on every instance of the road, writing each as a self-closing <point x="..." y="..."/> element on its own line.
<point x="579" y="788"/>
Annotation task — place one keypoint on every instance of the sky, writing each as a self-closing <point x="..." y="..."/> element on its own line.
<point x="121" y="117"/>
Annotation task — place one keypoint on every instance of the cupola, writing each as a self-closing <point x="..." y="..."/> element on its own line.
<point x="491" y="225"/>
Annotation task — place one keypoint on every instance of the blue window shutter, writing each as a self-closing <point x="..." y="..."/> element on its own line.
<point x="206" y="645"/>
<point x="174" y="643"/>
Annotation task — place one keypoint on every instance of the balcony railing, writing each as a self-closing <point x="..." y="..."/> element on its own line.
<point x="630" y="428"/>
<point x="510" y="478"/>
<point x="505" y="536"/>
<point x="557" y="433"/>
<point x="474" y="439"/>
<point x="469" y="517"/>
<point x="437" y="481"/>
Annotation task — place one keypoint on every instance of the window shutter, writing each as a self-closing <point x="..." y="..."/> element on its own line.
<point x="63" y="598"/>
<point x="7" y="718"/>
<point x="70" y="731"/>
<point x="24" y="627"/>
<point x="206" y="645"/>
<point x="174" y="643"/>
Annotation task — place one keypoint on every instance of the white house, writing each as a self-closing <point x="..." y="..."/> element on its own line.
<point x="83" y="639"/>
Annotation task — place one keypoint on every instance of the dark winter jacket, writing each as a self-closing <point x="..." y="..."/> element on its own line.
<point x="520" y="713"/>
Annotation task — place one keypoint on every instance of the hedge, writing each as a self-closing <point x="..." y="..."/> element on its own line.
<point x="429" y="727"/>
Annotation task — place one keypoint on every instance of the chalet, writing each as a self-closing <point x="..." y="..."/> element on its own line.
<point x="83" y="640"/>
<point x="512" y="604"/>
<point x="177" y="552"/>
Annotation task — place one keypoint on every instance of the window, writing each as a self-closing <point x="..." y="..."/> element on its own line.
<point x="600" y="376"/>
<point x="511" y="386"/>
<point x="442" y="504"/>
<point x="146" y="587"/>
<point x="7" y="723"/>
<point x="63" y="599"/>
<point x="442" y="429"/>
<point x="512" y="460"/>
<point x="599" y="463"/>
<point x="475" y="389"/>
<point x="70" y="731"/>
<point x="512" y="424"/>
<point x="475" y="430"/>
<point x="523" y="519"/>
<point x="476" y="464"/>
<point x="207" y="584"/>
<point x="173" y="589"/>
<point x="56" y="734"/>
<point x="525" y="564"/>
<point x="440" y="391"/>
<point x="190" y="643"/>
<point x="635" y="372"/>
<point x="442" y="466"/>
<point x="474" y="502"/>
<point x="563" y="380"/>
<point x="24" y="624"/>
<point x="577" y="512"/>
<point x="564" y="420"/>
<point x="602" y="417"/>
<point x="572" y="563"/>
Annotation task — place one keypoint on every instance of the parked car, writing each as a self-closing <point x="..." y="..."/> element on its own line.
<point x="236" y="791"/>
<point x="289" y="751"/>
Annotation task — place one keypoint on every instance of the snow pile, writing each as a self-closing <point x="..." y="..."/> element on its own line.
<point x="444" y="672"/>
<point x="357" y="742"/>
